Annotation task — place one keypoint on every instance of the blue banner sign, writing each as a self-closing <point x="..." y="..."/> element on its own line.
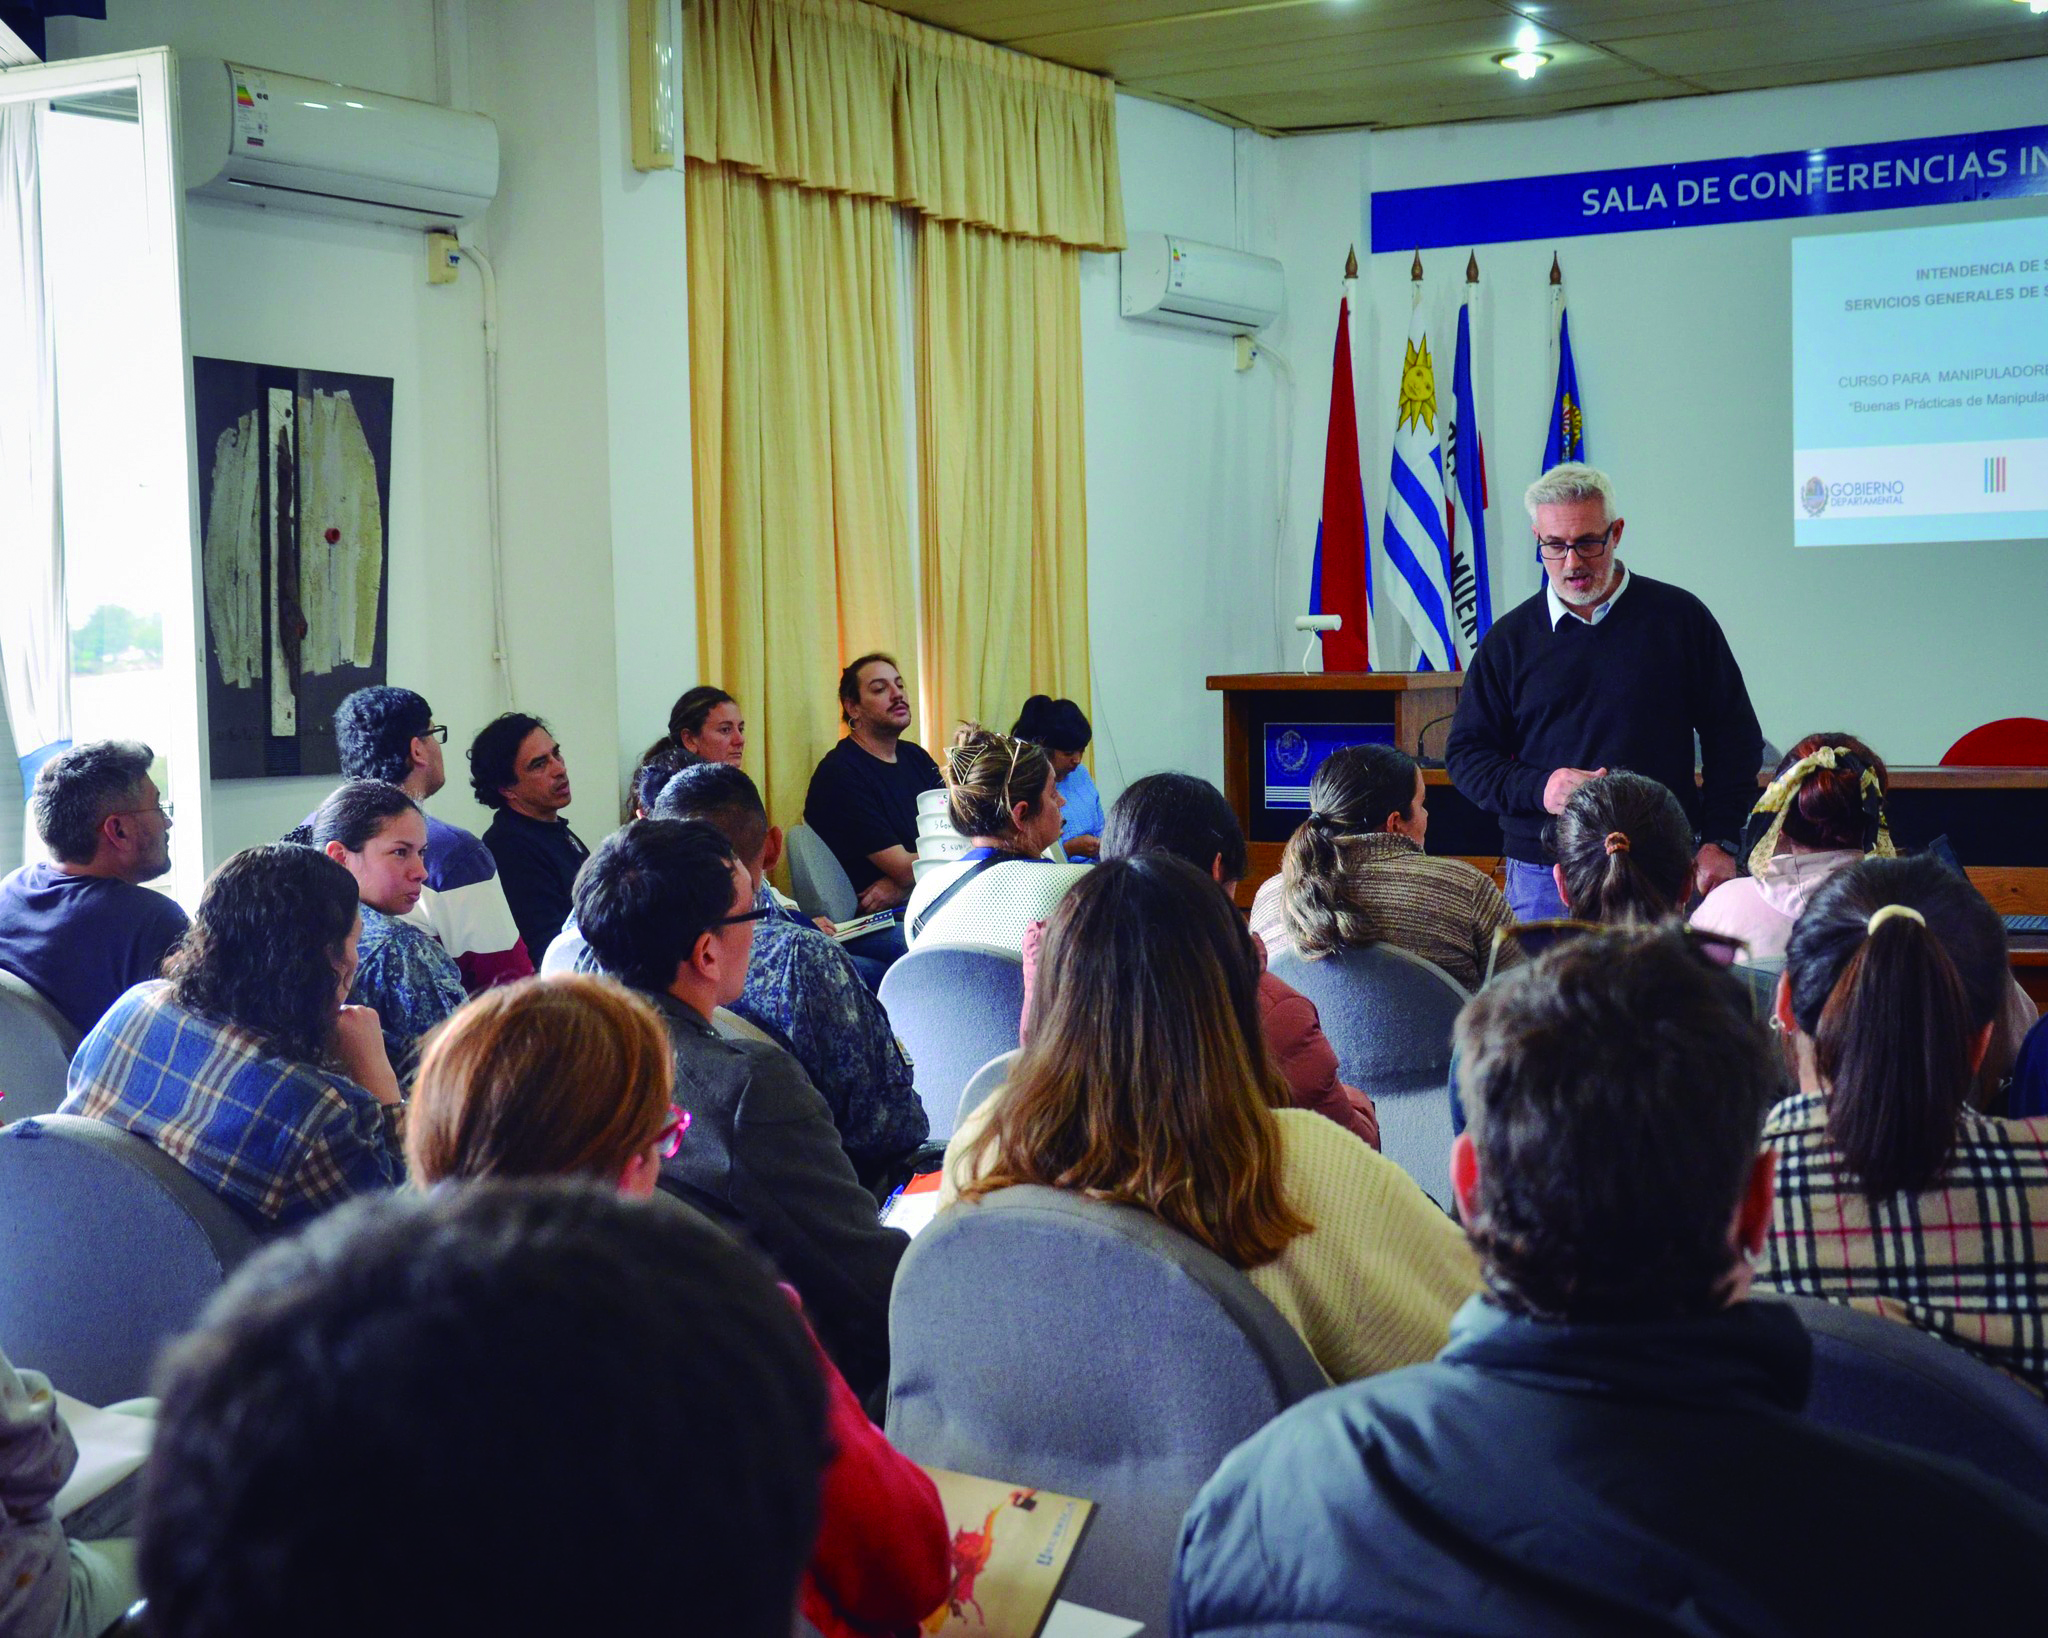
<point x="1294" y="750"/>
<point x="1707" y="192"/>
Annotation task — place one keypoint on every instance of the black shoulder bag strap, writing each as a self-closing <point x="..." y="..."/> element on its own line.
<point x="925" y="915"/>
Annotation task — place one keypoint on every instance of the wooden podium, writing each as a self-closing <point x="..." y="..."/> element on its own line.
<point x="1411" y="708"/>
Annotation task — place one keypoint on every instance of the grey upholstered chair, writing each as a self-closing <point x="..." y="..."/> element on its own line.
<point x="954" y="1007"/>
<point x="822" y="885"/>
<point x="1046" y="1339"/>
<point x="36" y="1043"/>
<point x="108" y="1247"/>
<point x="985" y="1081"/>
<point x="1887" y="1379"/>
<point x="1389" y="1014"/>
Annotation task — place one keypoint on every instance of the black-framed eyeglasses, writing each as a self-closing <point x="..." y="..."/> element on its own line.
<point x="436" y="730"/>
<point x="1589" y="547"/>
<point x="758" y="913"/>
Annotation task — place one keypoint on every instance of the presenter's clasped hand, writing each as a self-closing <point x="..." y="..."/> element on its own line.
<point x="1557" y="789"/>
<point x="1711" y="866"/>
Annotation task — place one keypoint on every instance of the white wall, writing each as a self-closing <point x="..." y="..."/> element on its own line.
<point x="1683" y="345"/>
<point x="594" y="398"/>
<point x="1181" y="471"/>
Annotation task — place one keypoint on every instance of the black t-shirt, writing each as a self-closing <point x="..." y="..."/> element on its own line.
<point x="859" y="804"/>
<point x="537" y="862"/>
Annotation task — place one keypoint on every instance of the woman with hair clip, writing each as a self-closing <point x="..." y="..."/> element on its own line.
<point x="1893" y="1192"/>
<point x="245" y="1064"/>
<point x="572" y="1076"/>
<point x="378" y="835"/>
<point x="1064" y="730"/>
<point x="1146" y="1082"/>
<point x="1824" y="810"/>
<point x="1002" y="796"/>
<point x="1354" y="873"/>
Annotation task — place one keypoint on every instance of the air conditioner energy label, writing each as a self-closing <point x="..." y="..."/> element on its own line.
<point x="252" y="109"/>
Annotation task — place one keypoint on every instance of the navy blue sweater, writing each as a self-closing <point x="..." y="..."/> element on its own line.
<point x="1625" y="693"/>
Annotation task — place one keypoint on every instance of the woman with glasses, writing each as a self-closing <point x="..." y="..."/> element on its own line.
<point x="1002" y="795"/>
<point x="1891" y="1187"/>
<point x="378" y="835"/>
<point x="572" y="1076"/>
<point x="1146" y="1081"/>
<point x="1355" y="873"/>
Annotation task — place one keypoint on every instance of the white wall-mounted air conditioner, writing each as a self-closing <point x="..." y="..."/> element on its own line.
<point x="276" y="140"/>
<point x="1171" y="280"/>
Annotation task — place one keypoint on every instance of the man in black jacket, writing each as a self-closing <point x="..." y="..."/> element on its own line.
<point x="1603" y="669"/>
<point x="666" y="908"/>
<point x="1612" y="1441"/>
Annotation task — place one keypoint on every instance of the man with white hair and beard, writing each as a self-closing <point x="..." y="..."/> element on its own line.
<point x="1602" y="669"/>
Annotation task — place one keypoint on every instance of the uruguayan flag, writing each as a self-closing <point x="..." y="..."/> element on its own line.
<point x="1413" y="535"/>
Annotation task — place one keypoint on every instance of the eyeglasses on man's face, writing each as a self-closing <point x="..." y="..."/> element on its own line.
<point x="159" y="806"/>
<point x="1588" y="547"/>
<point x="436" y="730"/>
<point x="755" y="914"/>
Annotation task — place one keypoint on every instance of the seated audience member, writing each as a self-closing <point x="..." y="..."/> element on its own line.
<point x="1354" y="872"/>
<point x="516" y="767"/>
<point x="378" y="835"/>
<point x="81" y="928"/>
<point x="244" y="1065"/>
<point x="50" y="1585"/>
<point x="801" y="986"/>
<point x="390" y="734"/>
<point x="1893" y="1193"/>
<point x="371" y="1422"/>
<point x="1146" y="1082"/>
<point x="1617" y="846"/>
<point x="706" y="723"/>
<point x="1001" y="796"/>
<point x="669" y="911"/>
<point x="1179" y="814"/>
<point x="658" y="764"/>
<point x="1063" y="729"/>
<point x="862" y="801"/>
<point x="1824" y="810"/>
<point x="1613" y="1441"/>
<point x="571" y="1077"/>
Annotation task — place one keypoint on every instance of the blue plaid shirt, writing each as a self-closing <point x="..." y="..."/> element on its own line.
<point x="280" y="1140"/>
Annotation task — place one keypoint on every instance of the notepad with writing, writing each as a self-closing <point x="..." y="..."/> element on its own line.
<point x="1011" y="1549"/>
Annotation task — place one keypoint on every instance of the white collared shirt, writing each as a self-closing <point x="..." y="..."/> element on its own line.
<point x="1559" y="608"/>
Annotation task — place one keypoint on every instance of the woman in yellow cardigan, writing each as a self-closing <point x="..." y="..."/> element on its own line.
<point x="1146" y="1083"/>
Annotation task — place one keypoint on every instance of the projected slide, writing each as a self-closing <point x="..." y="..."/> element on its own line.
<point x="1920" y="385"/>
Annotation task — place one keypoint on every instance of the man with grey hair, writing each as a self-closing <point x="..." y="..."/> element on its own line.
<point x="80" y="927"/>
<point x="1602" y="669"/>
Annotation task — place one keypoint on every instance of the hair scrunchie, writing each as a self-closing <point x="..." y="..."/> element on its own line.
<point x="1884" y="913"/>
<point x="1617" y="842"/>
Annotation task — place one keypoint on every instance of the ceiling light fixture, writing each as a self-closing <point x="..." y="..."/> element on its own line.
<point x="1525" y="63"/>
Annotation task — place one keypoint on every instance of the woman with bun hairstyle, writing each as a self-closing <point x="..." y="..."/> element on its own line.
<point x="1824" y="810"/>
<point x="573" y="1076"/>
<point x="1893" y="1193"/>
<point x="1355" y="873"/>
<point x="1063" y="729"/>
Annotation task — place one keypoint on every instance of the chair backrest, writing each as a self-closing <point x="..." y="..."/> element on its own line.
<point x="2010" y="742"/>
<point x="1045" y="1339"/>
<point x="985" y="1081"/>
<point x="1885" y="1378"/>
<point x="1389" y="1014"/>
<point x="822" y="885"/>
<point x="954" y="1007"/>
<point x="36" y="1043"/>
<point x="108" y="1247"/>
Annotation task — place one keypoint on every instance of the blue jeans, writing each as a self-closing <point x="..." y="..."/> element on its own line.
<point x="1532" y="892"/>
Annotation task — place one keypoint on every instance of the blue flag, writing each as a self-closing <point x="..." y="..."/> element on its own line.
<point x="1566" y="439"/>
<point x="1465" y="471"/>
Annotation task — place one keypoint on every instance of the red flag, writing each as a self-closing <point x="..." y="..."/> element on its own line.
<point x="1343" y="573"/>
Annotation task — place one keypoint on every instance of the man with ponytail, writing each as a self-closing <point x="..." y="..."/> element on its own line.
<point x="1613" y="1440"/>
<point x="1894" y="1194"/>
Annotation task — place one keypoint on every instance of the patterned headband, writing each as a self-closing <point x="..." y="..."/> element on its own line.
<point x="1779" y="795"/>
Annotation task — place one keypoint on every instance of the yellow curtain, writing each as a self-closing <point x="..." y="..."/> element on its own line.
<point x="801" y="474"/>
<point x="842" y="95"/>
<point x="1002" y="501"/>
